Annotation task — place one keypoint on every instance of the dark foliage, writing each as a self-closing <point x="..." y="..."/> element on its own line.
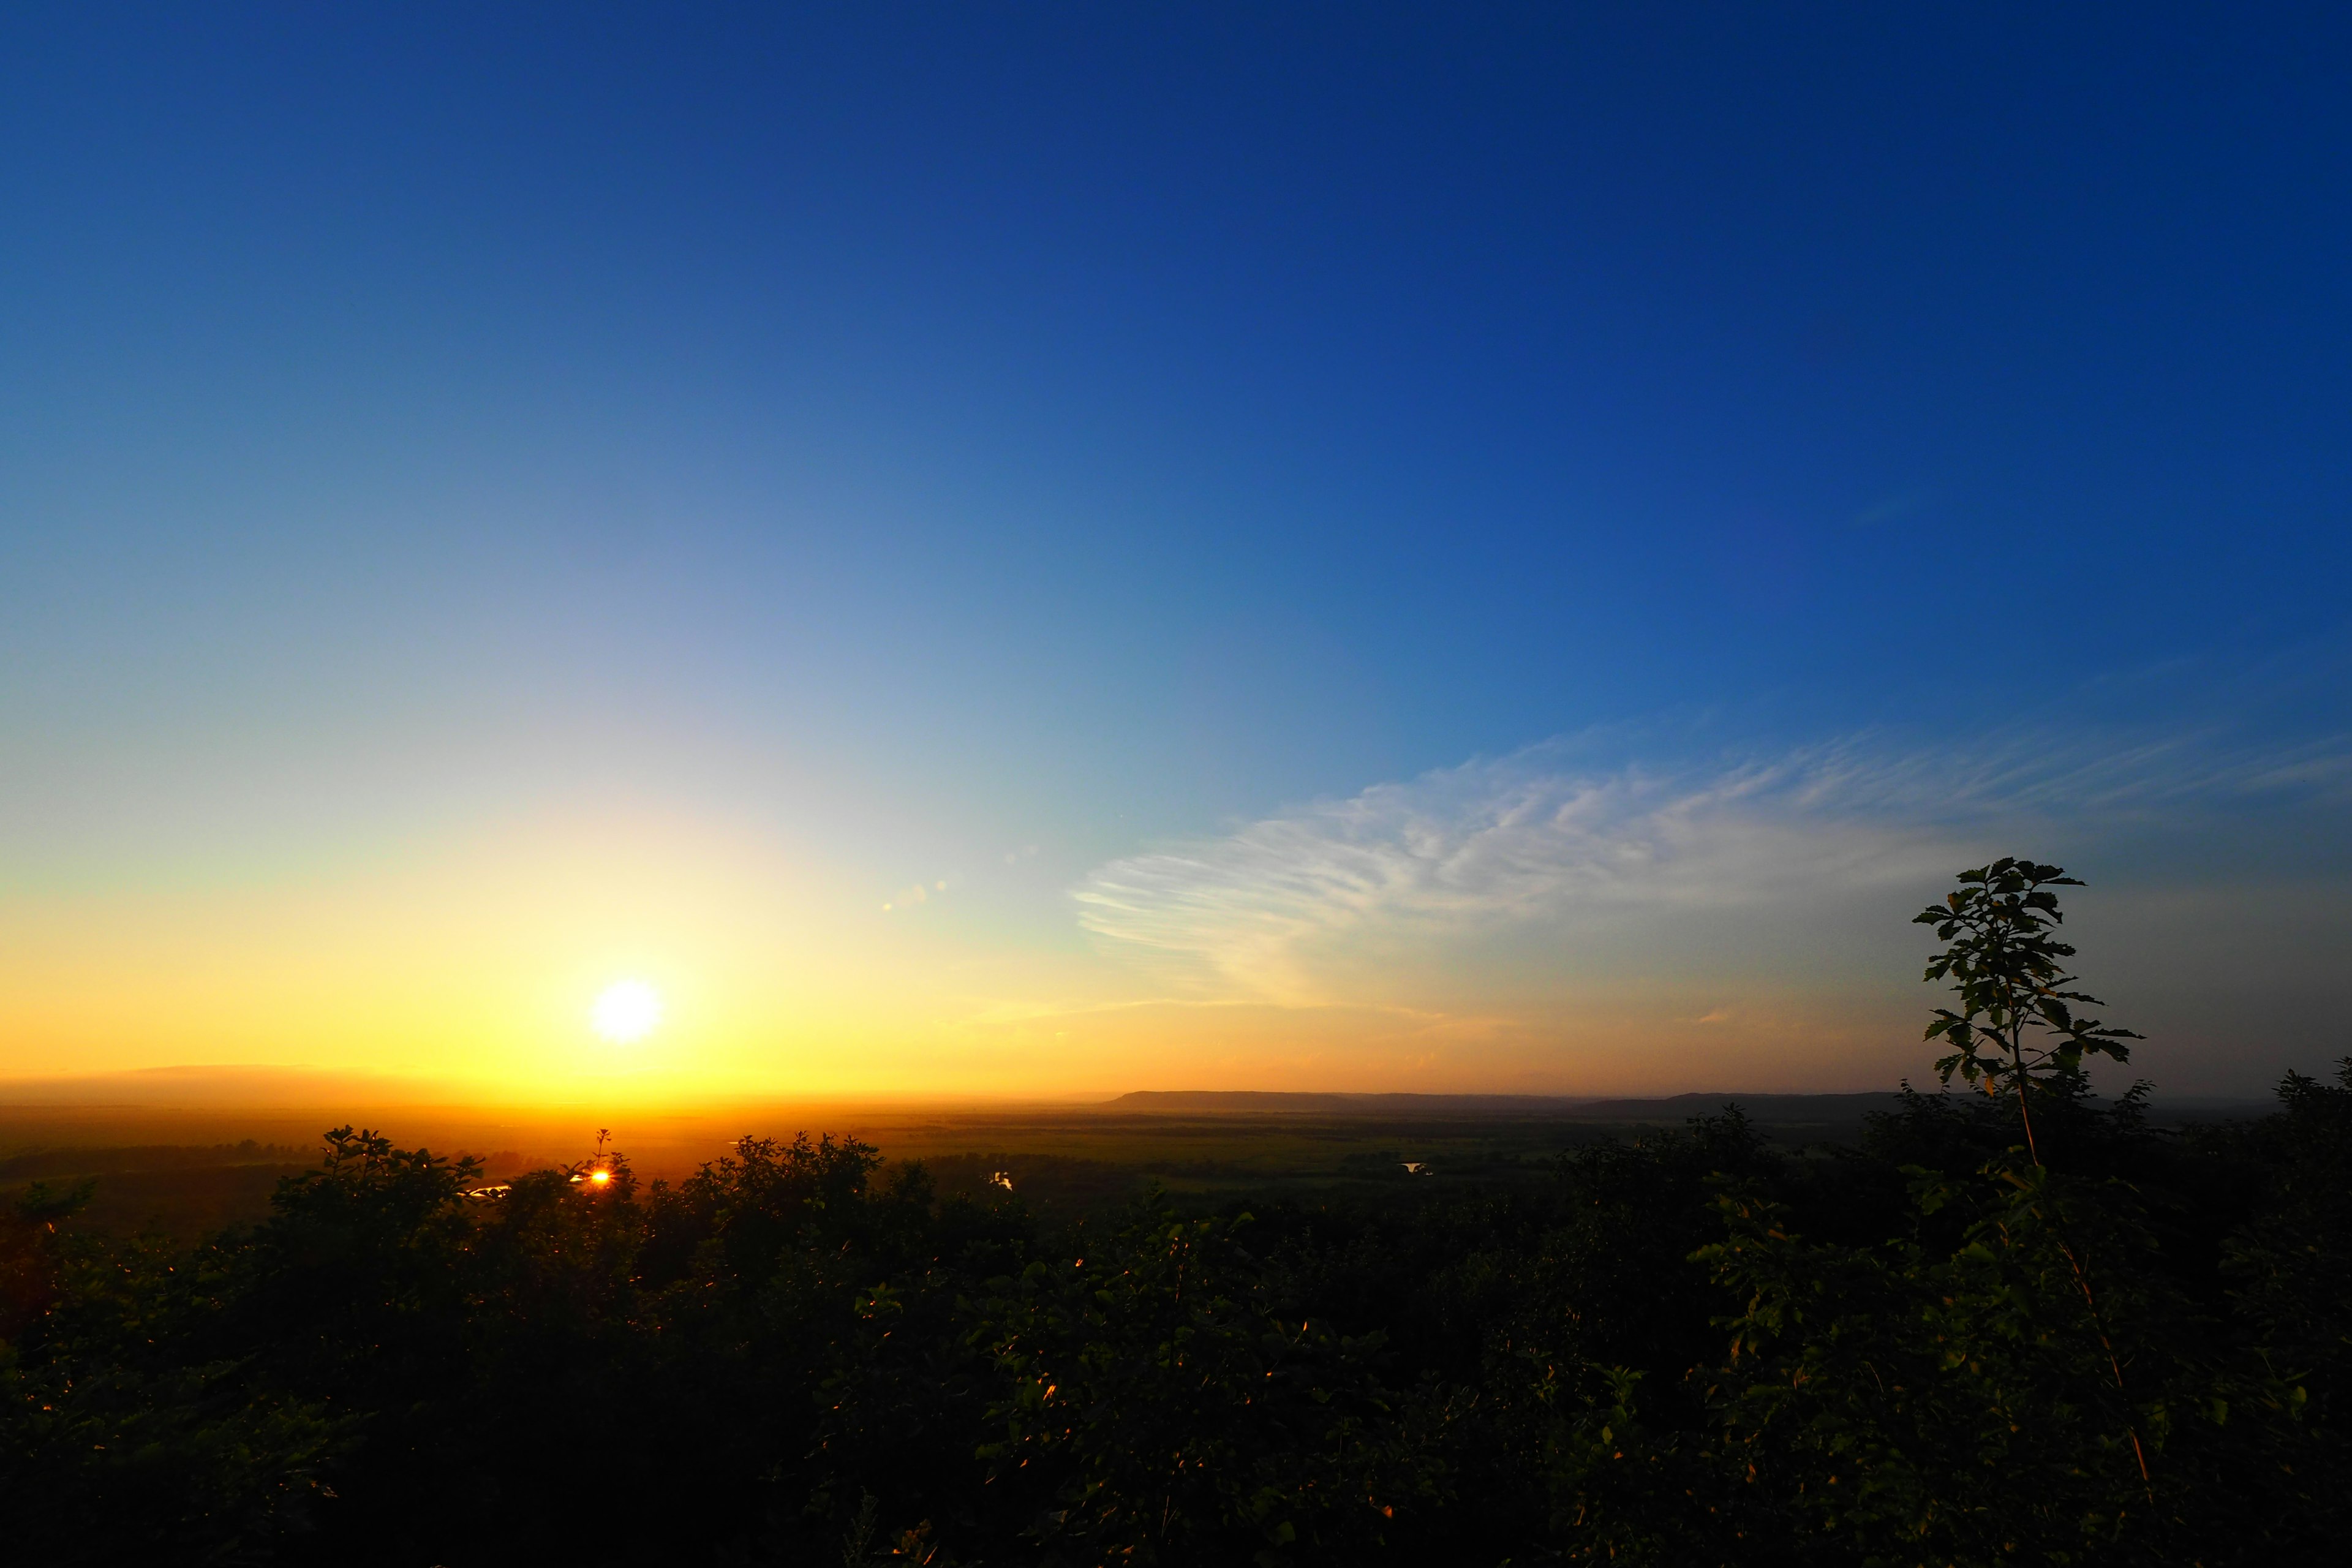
<point x="1947" y="1345"/>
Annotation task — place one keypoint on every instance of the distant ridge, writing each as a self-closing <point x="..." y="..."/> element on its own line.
<point x="241" y="1087"/>
<point x="1232" y="1100"/>
<point x="1844" y="1112"/>
<point x="1774" y="1107"/>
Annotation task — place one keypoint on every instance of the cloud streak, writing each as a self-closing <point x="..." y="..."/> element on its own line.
<point x="1538" y="841"/>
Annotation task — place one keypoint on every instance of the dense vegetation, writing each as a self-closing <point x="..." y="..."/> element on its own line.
<point x="2017" y="1327"/>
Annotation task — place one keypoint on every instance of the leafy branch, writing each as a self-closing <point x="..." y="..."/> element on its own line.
<point x="2016" y="1027"/>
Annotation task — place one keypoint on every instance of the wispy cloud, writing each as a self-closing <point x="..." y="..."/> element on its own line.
<point x="1538" y="840"/>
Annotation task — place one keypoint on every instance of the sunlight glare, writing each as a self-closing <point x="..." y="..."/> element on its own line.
<point x="627" y="1012"/>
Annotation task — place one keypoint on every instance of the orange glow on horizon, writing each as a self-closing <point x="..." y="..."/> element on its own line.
<point x="733" y="964"/>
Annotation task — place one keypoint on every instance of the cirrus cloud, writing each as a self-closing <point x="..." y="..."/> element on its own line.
<point x="1300" y="907"/>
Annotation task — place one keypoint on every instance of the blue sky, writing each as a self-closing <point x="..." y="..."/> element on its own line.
<point x="896" y="440"/>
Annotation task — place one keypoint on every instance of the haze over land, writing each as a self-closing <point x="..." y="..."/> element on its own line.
<point x="1040" y="556"/>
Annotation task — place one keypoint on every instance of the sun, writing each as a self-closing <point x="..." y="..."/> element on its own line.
<point x="626" y="1012"/>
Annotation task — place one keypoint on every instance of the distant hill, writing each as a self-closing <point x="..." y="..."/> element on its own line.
<point x="1225" y="1103"/>
<point x="1769" y="1108"/>
<point x="1775" y="1111"/>
<point x="1775" y="1108"/>
<point x="243" y="1087"/>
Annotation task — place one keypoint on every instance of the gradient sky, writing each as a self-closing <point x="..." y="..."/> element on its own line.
<point x="1349" y="547"/>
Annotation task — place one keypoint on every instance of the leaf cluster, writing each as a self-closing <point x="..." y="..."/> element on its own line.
<point x="2016" y="1021"/>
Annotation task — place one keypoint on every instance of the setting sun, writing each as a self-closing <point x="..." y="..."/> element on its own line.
<point x="626" y="1012"/>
